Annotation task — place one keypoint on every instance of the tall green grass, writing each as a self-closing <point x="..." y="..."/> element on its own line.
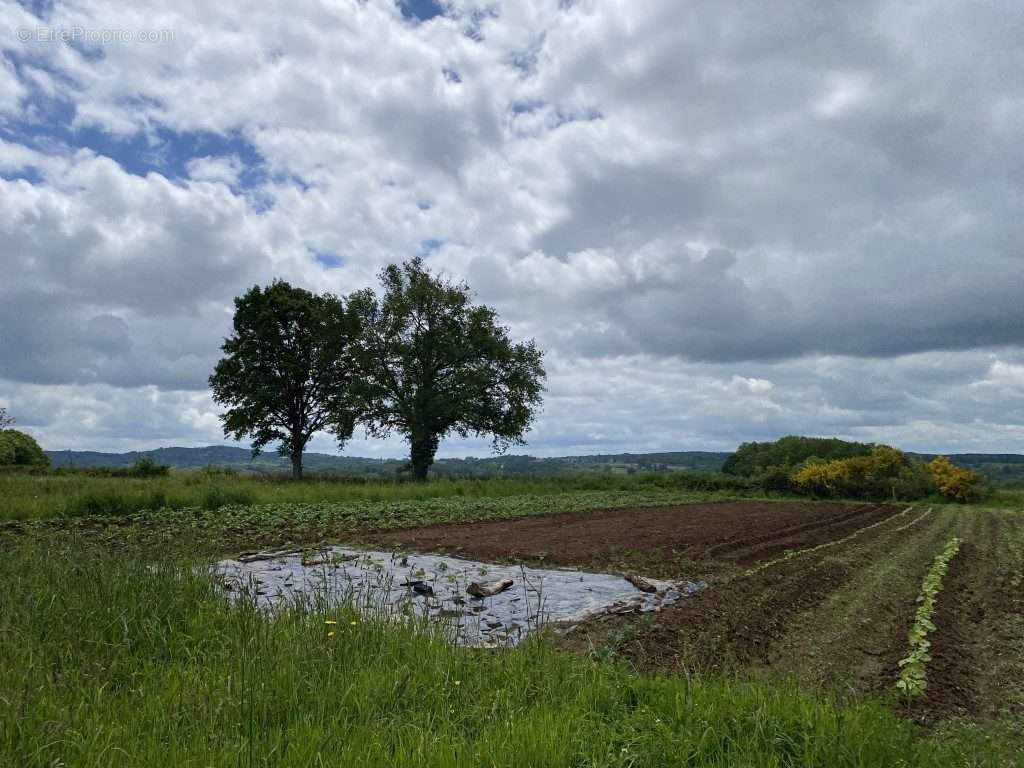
<point x="114" y="661"/>
<point x="37" y="496"/>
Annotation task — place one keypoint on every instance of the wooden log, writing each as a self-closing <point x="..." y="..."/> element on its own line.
<point x="641" y="583"/>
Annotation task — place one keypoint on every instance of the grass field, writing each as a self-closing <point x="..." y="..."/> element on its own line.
<point x="116" y="648"/>
<point x="127" y="662"/>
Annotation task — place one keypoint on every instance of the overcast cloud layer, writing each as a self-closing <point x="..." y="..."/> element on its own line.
<point x="723" y="220"/>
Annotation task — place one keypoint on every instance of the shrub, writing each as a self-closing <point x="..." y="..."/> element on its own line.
<point x="775" y="480"/>
<point x="884" y="472"/>
<point x="817" y="477"/>
<point x="954" y="483"/>
<point x="219" y="496"/>
<point x="144" y="466"/>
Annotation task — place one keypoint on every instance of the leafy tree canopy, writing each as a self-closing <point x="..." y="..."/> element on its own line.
<point x="17" y="448"/>
<point x="5" y="420"/>
<point x="286" y="370"/>
<point x="433" y="363"/>
<point x="753" y="459"/>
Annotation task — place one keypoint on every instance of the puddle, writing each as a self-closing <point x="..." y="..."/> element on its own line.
<point x="435" y="586"/>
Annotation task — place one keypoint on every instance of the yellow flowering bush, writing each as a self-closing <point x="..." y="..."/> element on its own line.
<point x="953" y="482"/>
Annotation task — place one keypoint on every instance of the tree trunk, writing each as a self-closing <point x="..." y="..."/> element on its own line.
<point x="297" y="465"/>
<point x="421" y="455"/>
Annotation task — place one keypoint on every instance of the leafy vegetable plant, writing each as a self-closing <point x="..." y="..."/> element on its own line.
<point x="913" y="676"/>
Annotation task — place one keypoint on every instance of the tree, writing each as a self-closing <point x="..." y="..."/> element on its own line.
<point x="286" y="370"/>
<point x="5" y="420"/>
<point x="790" y="452"/>
<point x="432" y="363"/>
<point x="20" y="449"/>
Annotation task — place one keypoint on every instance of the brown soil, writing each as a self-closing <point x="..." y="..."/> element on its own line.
<point x="735" y="624"/>
<point x="693" y="540"/>
<point x="952" y="679"/>
<point x="977" y="665"/>
<point x="854" y="638"/>
<point x="738" y="623"/>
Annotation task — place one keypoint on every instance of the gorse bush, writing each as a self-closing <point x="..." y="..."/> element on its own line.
<point x="884" y="472"/>
<point x="953" y="482"/>
<point x="830" y="468"/>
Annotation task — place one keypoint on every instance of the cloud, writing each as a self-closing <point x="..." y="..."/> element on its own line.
<point x="636" y="403"/>
<point x="745" y="209"/>
<point x="223" y="169"/>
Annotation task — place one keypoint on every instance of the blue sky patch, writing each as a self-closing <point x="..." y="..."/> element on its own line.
<point x="420" y="10"/>
<point x="28" y="173"/>
<point x="329" y="259"/>
<point x="156" y="151"/>
<point x="526" y="106"/>
<point x="474" y="30"/>
<point x="583" y="116"/>
<point x="40" y="8"/>
<point x="430" y="246"/>
<point x="49" y="128"/>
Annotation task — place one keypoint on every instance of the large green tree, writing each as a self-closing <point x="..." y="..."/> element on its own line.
<point x="432" y="363"/>
<point x="286" y="370"/>
<point x="20" y="449"/>
<point x="789" y="452"/>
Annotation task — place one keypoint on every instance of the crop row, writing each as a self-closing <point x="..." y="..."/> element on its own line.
<point x="304" y="519"/>
<point x="912" y="679"/>
<point x="914" y="522"/>
<point x="790" y="554"/>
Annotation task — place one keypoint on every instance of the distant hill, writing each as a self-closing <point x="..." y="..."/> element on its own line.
<point x="1000" y="467"/>
<point x="241" y="460"/>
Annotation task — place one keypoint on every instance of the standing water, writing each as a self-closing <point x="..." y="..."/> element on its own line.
<point x="436" y="586"/>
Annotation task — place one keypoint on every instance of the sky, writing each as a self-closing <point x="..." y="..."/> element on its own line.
<point x="722" y="220"/>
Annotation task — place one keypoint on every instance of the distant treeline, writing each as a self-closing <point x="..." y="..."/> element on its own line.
<point x="753" y="459"/>
<point x="240" y="460"/>
<point x="829" y="467"/>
